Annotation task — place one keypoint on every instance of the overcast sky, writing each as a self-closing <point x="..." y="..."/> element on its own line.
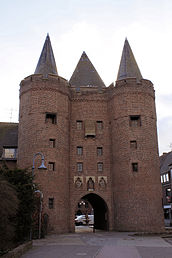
<point x="99" y="28"/>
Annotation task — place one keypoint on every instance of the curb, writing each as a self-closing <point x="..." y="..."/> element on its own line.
<point x="18" y="251"/>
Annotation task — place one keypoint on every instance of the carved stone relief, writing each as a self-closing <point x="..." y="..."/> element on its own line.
<point x="90" y="183"/>
<point x="78" y="181"/>
<point x="102" y="182"/>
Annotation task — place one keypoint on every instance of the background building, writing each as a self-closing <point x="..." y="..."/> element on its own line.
<point x="166" y="177"/>
<point x="8" y="144"/>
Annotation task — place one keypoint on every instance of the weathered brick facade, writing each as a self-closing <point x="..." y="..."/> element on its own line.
<point x="102" y="146"/>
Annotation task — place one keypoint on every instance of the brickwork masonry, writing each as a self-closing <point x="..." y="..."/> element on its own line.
<point x="50" y="109"/>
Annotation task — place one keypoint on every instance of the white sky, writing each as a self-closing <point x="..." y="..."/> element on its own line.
<point x="99" y="28"/>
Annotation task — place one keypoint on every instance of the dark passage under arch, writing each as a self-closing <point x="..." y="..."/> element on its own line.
<point x="100" y="210"/>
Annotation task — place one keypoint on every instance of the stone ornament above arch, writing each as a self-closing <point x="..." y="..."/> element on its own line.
<point x="90" y="180"/>
<point x="78" y="181"/>
<point x="102" y="182"/>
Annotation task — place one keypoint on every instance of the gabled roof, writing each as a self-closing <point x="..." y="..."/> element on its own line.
<point x="85" y="74"/>
<point x="165" y="161"/>
<point x="46" y="63"/>
<point x="128" y="67"/>
<point x="8" y="135"/>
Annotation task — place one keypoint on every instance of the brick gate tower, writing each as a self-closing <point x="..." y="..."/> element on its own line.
<point x="100" y="144"/>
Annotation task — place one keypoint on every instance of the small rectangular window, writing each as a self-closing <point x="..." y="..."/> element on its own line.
<point x="52" y="143"/>
<point x="51" y="203"/>
<point x="167" y="177"/>
<point x="135" y="167"/>
<point x="161" y="179"/>
<point x="79" y="125"/>
<point x="79" y="150"/>
<point x="50" y="118"/>
<point x="79" y="166"/>
<point x="133" y="145"/>
<point x="51" y="166"/>
<point x="99" y="125"/>
<point x="100" y="166"/>
<point x="99" y="151"/>
<point x="164" y="178"/>
<point x="135" y="121"/>
<point x="9" y="153"/>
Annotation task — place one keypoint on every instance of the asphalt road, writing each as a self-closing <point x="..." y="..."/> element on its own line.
<point x="85" y="243"/>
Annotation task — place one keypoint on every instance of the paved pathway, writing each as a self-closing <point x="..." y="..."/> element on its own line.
<point x="100" y="245"/>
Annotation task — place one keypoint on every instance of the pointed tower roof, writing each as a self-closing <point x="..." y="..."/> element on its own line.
<point x="46" y="63"/>
<point x="128" y="67"/>
<point x="85" y="74"/>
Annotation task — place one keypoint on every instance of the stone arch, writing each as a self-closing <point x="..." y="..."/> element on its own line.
<point x="101" y="213"/>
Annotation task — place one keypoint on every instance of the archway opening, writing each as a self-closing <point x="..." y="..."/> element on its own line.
<point x="93" y="204"/>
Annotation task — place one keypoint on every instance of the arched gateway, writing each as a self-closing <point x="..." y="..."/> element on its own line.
<point x="100" y="210"/>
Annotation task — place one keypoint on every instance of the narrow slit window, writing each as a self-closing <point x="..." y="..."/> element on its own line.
<point x="79" y="125"/>
<point x="79" y="166"/>
<point x="52" y="143"/>
<point x="79" y="150"/>
<point x="135" y="121"/>
<point x="99" y="151"/>
<point x="51" y="166"/>
<point x="133" y="145"/>
<point x="135" y="167"/>
<point x="99" y="125"/>
<point x="51" y="203"/>
<point x="100" y="166"/>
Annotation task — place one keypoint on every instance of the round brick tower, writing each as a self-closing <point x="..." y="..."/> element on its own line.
<point x="135" y="159"/>
<point x="44" y="127"/>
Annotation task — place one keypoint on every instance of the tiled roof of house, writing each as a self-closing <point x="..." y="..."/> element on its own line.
<point x="8" y="135"/>
<point x="46" y="63"/>
<point x="85" y="74"/>
<point x="128" y="67"/>
<point x="165" y="161"/>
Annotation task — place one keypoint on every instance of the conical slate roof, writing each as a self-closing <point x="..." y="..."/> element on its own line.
<point x="46" y="63"/>
<point x="128" y="67"/>
<point x="85" y="74"/>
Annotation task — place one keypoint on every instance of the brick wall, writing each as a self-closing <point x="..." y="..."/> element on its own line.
<point x="133" y="199"/>
<point x="137" y="194"/>
<point x="37" y="97"/>
<point x="90" y="107"/>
